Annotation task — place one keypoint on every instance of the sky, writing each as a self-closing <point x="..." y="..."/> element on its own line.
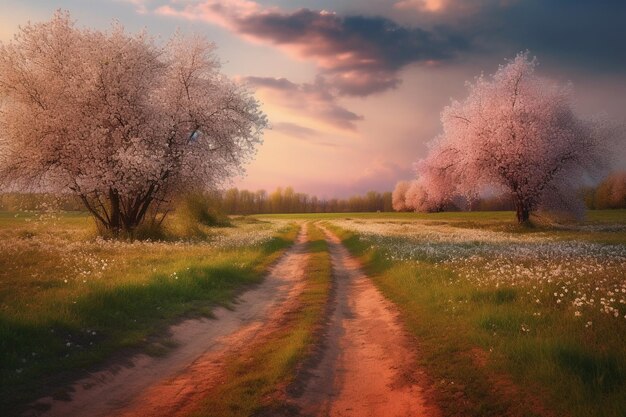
<point x="353" y="89"/>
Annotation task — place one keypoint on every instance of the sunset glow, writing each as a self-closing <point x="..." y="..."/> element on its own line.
<point x="353" y="90"/>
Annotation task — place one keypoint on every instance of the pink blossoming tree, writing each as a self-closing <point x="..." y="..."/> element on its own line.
<point x="398" y="196"/>
<point x="517" y="132"/>
<point x="119" y="120"/>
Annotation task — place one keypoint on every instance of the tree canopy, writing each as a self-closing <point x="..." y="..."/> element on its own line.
<point x="518" y="133"/>
<point x="118" y="119"/>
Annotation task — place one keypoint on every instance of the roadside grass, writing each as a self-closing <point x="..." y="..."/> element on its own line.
<point x="68" y="301"/>
<point x="493" y="347"/>
<point x="256" y="379"/>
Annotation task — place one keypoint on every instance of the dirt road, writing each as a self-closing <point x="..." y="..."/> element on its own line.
<point x="173" y="385"/>
<point x="367" y="366"/>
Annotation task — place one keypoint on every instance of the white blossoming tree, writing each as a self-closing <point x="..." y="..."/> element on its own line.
<point x="119" y="120"/>
<point x="518" y="132"/>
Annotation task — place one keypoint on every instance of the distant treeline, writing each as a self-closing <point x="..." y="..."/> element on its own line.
<point x="15" y="201"/>
<point x="231" y="201"/>
<point x="610" y="194"/>
<point x="286" y="200"/>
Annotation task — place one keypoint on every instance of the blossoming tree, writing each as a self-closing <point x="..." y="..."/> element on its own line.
<point x="119" y="120"/>
<point x="398" y="197"/>
<point x="518" y="132"/>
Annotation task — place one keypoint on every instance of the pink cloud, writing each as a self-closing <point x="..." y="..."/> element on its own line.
<point x="422" y="5"/>
<point x="220" y="13"/>
<point x="451" y="7"/>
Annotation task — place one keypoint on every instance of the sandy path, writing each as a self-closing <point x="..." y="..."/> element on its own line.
<point x="172" y="385"/>
<point x="367" y="367"/>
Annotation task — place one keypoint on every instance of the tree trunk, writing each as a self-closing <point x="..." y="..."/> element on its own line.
<point x="117" y="215"/>
<point x="522" y="211"/>
<point x="115" y="222"/>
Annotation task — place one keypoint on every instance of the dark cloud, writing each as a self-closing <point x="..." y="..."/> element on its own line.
<point x="587" y="34"/>
<point x="356" y="55"/>
<point x="361" y="55"/>
<point x="566" y="33"/>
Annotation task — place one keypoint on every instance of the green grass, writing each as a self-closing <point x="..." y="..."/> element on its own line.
<point x="479" y="215"/>
<point x="256" y="379"/>
<point x="491" y="351"/>
<point x="59" y="285"/>
<point x="68" y="302"/>
<point x="495" y="217"/>
<point x="497" y="221"/>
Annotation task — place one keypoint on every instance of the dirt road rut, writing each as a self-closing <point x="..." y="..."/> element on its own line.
<point x="367" y="367"/>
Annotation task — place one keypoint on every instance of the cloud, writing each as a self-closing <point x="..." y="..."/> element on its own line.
<point x="140" y="5"/>
<point x="313" y="99"/>
<point x="451" y="7"/>
<point x="422" y="5"/>
<point x="356" y="55"/>
<point x="568" y="34"/>
<point x="296" y="131"/>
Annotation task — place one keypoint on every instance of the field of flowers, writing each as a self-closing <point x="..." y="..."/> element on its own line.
<point x="46" y="251"/>
<point x="541" y="309"/>
<point x="69" y="298"/>
<point x="576" y="275"/>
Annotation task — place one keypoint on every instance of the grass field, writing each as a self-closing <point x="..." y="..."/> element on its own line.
<point x="69" y="300"/>
<point x="508" y="320"/>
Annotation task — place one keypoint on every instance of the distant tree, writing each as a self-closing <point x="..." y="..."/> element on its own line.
<point x="611" y="193"/>
<point x="261" y="201"/>
<point x="303" y="203"/>
<point x="398" y="197"/>
<point x="372" y="201"/>
<point x="516" y="131"/>
<point x="387" y="204"/>
<point x="231" y="200"/>
<point x="331" y="206"/>
<point x="119" y="120"/>
<point x="276" y="201"/>
<point x="314" y="205"/>
<point x="246" y="202"/>
<point x="420" y="196"/>
<point x="288" y="200"/>
<point x="416" y="197"/>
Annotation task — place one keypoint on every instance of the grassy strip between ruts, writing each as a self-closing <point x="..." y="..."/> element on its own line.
<point x="477" y="371"/>
<point x="42" y="347"/>
<point x="256" y="379"/>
